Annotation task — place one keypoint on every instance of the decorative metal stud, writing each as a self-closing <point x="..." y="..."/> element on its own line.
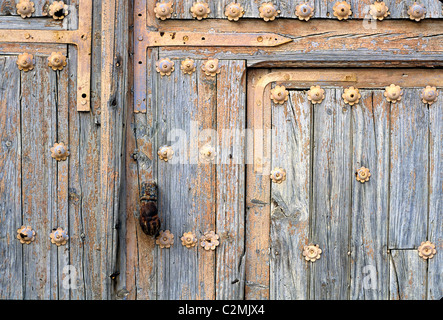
<point x="59" y="237"/>
<point x="342" y="10"/>
<point x="427" y="250"/>
<point x="57" y="61"/>
<point x="25" y="235"/>
<point x="60" y="152"/>
<point x="163" y="10"/>
<point x="188" y="66"/>
<point x="278" y="175"/>
<point x="304" y="11"/>
<point x="363" y="175"/>
<point x="209" y="241"/>
<point x="165" y="67"/>
<point x="351" y="96"/>
<point x="268" y="11"/>
<point x="279" y="95"/>
<point x="189" y="240"/>
<point x="379" y="10"/>
<point x="165" y="239"/>
<point x="429" y="95"/>
<point x="165" y="153"/>
<point x="200" y="10"/>
<point x="58" y="10"/>
<point x="316" y="94"/>
<point x="207" y="153"/>
<point x="211" y="67"/>
<point x="25" y="8"/>
<point x="393" y="93"/>
<point x="25" y="62"/>
<point x="234" y="11"/>
<point x="312" y="252"/>
<point x="417" y="12"/>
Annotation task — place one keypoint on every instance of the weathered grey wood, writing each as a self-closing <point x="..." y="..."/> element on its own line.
<point x="8" y="7"/>
<point x="407" y="275"/>
<point x="331" y="208"/>
<point x="290" y="202"/>
<point x="408" y="213"/>
<point x="11" y="252"/>
<point x="369" y="259"/>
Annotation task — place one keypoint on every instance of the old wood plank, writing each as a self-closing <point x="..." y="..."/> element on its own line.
<point x="369" y="258"/>
<point x="408" y="211"/>
<point x="290" y="202"/>
<point x="8" y="7"/>
<point x="11" y="252"/>
<point x="17" y="22"/>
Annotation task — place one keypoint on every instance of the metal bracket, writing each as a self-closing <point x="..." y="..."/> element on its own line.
<point x="80" y="37"/>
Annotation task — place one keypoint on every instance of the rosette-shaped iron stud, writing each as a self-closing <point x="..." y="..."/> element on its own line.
<point x="200" y="10"/>
<point x="163" y="10"/>
<point x="59" y="237"/>
<point x="379" y="10"/>
<point x="234" y="11"/>
<point x="25" y="8"/>
<point x="342" y="10"/>
<point x="278" y="175"/>
<point x="351" y="96"/>
<point x="268" y="11"/>
<point x="25" y="62"/>
<point x="58" y="10"/>
<point x="304" y="11"/>
<point x="188" y="66"/>
<point x="165" y="153"/>
<point x="210" y="241"/>
<point x="393" y="93"/>
<point x="25" y="235"/>
<point x="207" y="153"/>
<point x="316" y="94"/>
<point x="429" y="95"/>
<point x="57" y="61"/>
<point x="60" y="152"/>
<point x="363" y="174"/>
<point x="211" y="67"/>
<point x="189" y="240"/>
<point x="312" y="252"/>
<point x="427" y="250"/>
<point x="165" y="239"/>
<point x="165" y="67"/>
<point x="417" y="12"/>
<point x="279" y="95"/>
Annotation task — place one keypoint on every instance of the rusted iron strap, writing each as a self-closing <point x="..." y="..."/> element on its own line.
<point x="80" y="38"/>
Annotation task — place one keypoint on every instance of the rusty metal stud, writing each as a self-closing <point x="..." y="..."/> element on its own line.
<point x="363" y="175"/>
<point x="393" y="93"/>
<point x="279" y="95"/>
<point x="429" y="95"/>
<point x="211" y="67"/>
<point x="188" y="66"/>
<point x="207" y="153"/>
<point x="342" y="10"/>
<point x="25" y="62"/>
<point x="268" y="11"/>
<point x="58" y="10"/>
<point x="209" y="241"/>
<point x="60" y="152"/>
<point x="57" y="61"/>
<point x="278" y="175"/>
<point x="312" y="252"/>
<point x="379" y="10"/>
<point x="165" y="153"/>
<point x="200" y="10"/>
<point x="165" y="66"/>
<point x="316" y="94"/>
<point x="234" y="11"/>
<point x="427" y="250"/>
<point x="59" y="237"/>
<point x="304" y="11"/>
<point x="351" y="96"/>
<point x="165" y="239"/>
<point x="417" y="12"/>
<point x="163" y="10"/>
<point x="25" y="8"/>
<point x="25" y="235"/>
<point x="189" y="240"/>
